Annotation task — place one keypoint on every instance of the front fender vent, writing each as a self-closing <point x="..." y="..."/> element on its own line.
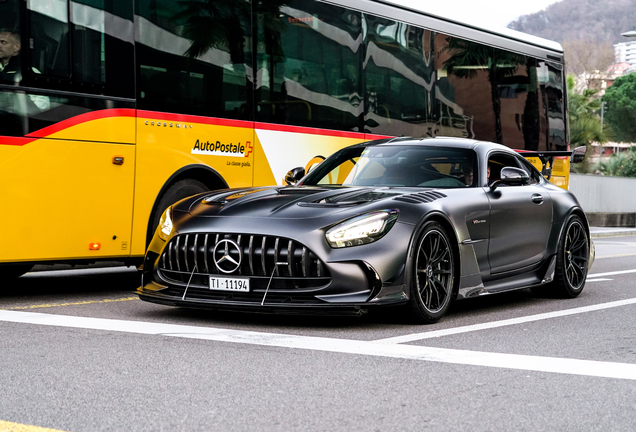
<point x="421" y="197"/>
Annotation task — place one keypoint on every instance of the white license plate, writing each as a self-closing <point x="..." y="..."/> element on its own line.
<point x="229" y="284"/>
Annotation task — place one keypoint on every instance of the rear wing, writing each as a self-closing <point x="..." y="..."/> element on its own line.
<point x="547" y="158"/>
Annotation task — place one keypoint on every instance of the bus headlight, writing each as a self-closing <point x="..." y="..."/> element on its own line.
<point x="362" y="229"/>
<point x="164" y="230"/>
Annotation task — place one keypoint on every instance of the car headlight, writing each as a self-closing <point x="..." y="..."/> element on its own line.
<point x="164" y="230"/>
<point x="362" y="229"/>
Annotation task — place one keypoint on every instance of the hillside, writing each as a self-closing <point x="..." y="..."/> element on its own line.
<point x="600" y="21"/>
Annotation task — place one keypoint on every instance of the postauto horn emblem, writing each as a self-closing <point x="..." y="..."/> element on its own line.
<point x="227" y="256"/>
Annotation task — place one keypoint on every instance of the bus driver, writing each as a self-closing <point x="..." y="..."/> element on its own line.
<point x="9" y="60"/>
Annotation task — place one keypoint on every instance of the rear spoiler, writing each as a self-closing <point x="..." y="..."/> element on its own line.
<point x="547" y="157"/>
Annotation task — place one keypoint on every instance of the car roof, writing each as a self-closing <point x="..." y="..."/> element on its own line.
<point x="465" y="143"/>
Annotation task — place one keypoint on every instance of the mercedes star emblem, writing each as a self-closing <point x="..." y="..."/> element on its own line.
<point x="227" y="256"/>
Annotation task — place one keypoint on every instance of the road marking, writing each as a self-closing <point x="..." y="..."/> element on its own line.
<point x="598" y="280"/>
<point x="6" y="426"/>
<point x="615" y="256"/>
<point x="503" y="323"/>
<point x="595" y="275"/>
<point x="50" y="305"/>
<point x="412" y="352"/>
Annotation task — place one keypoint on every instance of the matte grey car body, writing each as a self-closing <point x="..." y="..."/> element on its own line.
<point x="349" y="236"/>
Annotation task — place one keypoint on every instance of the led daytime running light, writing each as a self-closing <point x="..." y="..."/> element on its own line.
<point x="362" y="230"/>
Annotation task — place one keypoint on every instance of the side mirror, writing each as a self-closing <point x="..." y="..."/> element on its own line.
<point x="294" y="176"/>
<point x="578" y="154"/>
<point x="511" y="176"/>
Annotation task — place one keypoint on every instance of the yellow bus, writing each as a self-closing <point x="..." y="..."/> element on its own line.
<point x="112" y="110"/>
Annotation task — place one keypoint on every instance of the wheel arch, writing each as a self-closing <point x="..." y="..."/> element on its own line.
<point x="444" y="221"/>
<point x="199" y="172"/>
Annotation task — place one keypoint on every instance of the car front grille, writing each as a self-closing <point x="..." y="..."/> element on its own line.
<point x="283" y="264"/>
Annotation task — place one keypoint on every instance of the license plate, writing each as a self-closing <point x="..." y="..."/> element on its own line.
<point x="229" y="284"/>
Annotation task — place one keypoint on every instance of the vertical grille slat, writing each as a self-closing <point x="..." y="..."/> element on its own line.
<point x="205" y="254"/>
<point x="185" y="253"/>
<point x="290" y="258"/>
<point x="251" y="255"/>
<point x="264" y="255"/>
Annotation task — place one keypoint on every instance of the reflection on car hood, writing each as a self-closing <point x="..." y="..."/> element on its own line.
<point x="290" y="202"/>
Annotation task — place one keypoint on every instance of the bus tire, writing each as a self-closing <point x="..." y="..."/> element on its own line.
<point x="179" y="190"/>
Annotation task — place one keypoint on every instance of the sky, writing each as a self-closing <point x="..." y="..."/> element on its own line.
<point x="490" y="13"/>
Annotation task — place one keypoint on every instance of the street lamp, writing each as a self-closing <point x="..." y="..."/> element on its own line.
<point x="629" y="34"/>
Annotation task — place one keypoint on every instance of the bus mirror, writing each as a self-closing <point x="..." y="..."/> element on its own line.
<point x="293" y="176"/>
<point x="578" y="154"/>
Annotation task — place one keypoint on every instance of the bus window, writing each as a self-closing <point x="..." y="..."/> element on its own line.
<point x="399" y="76"/>
<point x="185" y="68"/>
<point x="103" y="47"/>
<point x="49" y="39"/>
<point x="465" y="85"/>
<point x="309" y="56"/>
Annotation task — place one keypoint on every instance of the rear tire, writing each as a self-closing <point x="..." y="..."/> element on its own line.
<point x="572" y="259"/>
<point x="432" y="274"/>
<point x="178" y="191"/>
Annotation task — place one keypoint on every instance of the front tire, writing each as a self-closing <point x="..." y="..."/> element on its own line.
<point x="572" y="259"/>
<point x="432" y="274"/>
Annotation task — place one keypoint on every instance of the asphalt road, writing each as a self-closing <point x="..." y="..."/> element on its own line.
<point x="79" y="352"/>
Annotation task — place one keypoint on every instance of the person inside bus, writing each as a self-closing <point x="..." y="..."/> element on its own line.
<point x="9" y="60"/>
<point x="10" y="70"/>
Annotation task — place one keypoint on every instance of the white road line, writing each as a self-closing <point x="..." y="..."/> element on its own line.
<point x="442" y="355"/>
<point x="503" y="323"/>
<point x="595" y="275"/>
<point x="598" y="280"/>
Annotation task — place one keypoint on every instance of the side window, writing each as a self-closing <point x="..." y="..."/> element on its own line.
<point x="400" y="80"/>
<point x="194" y="57"/>
<point x="466" y="92"/>
<point x="48" y="42"/>
<point x="496" y="162"/>
<point x="103" y="46"/>
<point x="535" y="176"/>
<point x="309" y="57"/>
<point x="11" y="46"/>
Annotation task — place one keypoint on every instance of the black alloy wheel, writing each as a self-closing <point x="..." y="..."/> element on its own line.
<point x="572" y="259"/>
<point x="433" y="274"/>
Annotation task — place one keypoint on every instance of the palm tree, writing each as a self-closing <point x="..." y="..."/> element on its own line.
<point x="585" y="124"/>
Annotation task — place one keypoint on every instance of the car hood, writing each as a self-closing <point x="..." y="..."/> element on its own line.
<point x="289" y="202"/>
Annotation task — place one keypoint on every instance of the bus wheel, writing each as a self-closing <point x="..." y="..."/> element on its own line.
<point x="178" y="191"/>
<point x="14" y="271"/>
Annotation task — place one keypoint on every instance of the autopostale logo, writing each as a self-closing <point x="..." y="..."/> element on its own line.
<point x="218" y="148"/>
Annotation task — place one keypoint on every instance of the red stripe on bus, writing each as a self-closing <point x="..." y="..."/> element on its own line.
<point x="15" y="141"/>
<point x="82" y="118"/>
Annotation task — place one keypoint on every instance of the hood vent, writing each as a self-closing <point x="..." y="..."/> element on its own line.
<point x="421" y="197"/>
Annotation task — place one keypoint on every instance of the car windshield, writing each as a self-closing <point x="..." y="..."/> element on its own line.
<point x="395" y="165"/>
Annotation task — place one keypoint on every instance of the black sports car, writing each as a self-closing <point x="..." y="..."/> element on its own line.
<point x="393" y="222"/>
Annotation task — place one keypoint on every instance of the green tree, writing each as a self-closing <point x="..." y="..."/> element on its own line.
<point x="620" y="164"/>
<point x="585" y="124"/>
<point x="621" y="107"/>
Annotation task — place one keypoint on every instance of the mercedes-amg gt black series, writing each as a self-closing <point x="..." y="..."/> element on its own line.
<point x="412" y="222"/>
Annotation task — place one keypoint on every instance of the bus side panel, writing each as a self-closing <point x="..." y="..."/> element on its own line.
<point x="166" y="143"/>
<point x="49" y="214"/>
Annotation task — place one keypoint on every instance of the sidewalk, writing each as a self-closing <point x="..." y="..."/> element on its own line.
<point x="597" y="232"/>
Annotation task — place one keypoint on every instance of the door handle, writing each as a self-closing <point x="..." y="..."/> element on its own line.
<point x="537" y="199"/>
